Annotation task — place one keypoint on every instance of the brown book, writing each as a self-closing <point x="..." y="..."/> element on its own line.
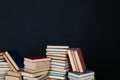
<point x="12" y="78"/>
<point x="80" y="59"/>
<point x="11" y="73"/>
<point x="74" y="59"/>
<point x="1" y="57"/>
<point x="12" y="66"/>
<point x="71" y="60"/>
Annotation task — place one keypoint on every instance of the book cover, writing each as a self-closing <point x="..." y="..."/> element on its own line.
<point x="12" y="78"/>
<point x="56" y="46"/>
<point x="79" y="59"/>
<point x="36" y="58"/>
<point x="14" y="59"/>
<point x="2" y="51"/>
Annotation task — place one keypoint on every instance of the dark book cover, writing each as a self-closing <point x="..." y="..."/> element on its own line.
<point x="15" y="55"/>
<point x="36" y="57"/>
<point x="79" y="51"/>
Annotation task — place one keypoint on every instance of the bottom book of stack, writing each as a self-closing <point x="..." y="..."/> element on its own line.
<point x="87" y="75"/>
<point x="13" y="75"/>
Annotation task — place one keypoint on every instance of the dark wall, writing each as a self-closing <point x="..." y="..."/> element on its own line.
<point x="30" y="25"/>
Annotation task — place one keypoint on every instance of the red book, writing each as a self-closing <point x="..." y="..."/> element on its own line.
<point x="2" y="51"/>
<point x="36" y="58"/>
<point x="80" y="59"/>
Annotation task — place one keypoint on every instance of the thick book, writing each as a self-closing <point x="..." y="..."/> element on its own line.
<point x="79" y="59"/>
<point x="27" y="74"/>
<point x="12" y="78"/>
<point x="79" y="75"/>
<point x="71" y="60"/>
<point x="14" y="59"/>
<point x="12" y="73"/>
<point x="2" y="51"/>
<point x="36" y="58"/>
<point x="56" y="46"/>
<point x="57" y="77"/>
<point x="34" y="78"/>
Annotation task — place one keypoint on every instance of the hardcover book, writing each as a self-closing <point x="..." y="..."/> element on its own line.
<point x="14" y="59"/>
<point x="36" y="58"/>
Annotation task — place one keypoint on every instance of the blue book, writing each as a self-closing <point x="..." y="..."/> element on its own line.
<point x="14" y="59"/>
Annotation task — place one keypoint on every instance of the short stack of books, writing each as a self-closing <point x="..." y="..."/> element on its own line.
<point x="79" y="71"/>
<point x="4" y="66"/>
<point x="87" y="75"/>
<point x="36" y="68"/>
<point x="15" y="61"/>
<point x="59" y="62"/>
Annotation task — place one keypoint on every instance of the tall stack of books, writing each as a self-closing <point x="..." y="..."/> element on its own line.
<point x="79" y="71"/>
<point x="59" y="62"/>
<point x="4" y="66"/>
<point x="36" y="68"/>
<point x="15" y="61"/>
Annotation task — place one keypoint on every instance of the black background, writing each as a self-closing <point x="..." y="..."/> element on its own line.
<point x="31" y="25"/>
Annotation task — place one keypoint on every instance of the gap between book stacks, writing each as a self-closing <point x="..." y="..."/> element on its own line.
<point x="60" y="63"/>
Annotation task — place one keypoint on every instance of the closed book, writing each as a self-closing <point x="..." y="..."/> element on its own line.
<point x="71" y="60"/>
<point x="27" y="74"/>
<point x="79" y="59"/>
<point x="14" y="59"/>
<point x="56" y="52"/>
<point x="57" y="58"/>
<point x="57" y="77"/>
<point x="60" y="67"/>
<point x="90" y="77"/>
<point x="34" y="78"/>
<point x="35" y="71"/>
<point x="60" y="64"/>
<point x="79" y="75"/>
<point x="59" y="50"/>
<point x="37" y="58"/>
<point x="12" y="78"/>
<point x="59" y="61"/>
<point x="12" y="73"/>
<point x="36" y="64"/>
<point x="1" y="57"/>
<point x="2" y="51"/>
<point x="56" y="46"/>
<point x="60" y="70"/>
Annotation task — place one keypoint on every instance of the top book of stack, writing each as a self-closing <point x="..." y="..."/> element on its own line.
<point x="36" y="58"/>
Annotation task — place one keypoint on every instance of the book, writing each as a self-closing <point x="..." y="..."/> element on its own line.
<point x="74" y="59"/>
<point x="57" y="77"/>
<point x="37" y="58"/>
<point x="59" y="64"/>
<point x="27" y="74"/>
<point x="58" y="58"/>
<point x="2" y="51"/>
<point x="35" y="71"/>
<point x="91" y="77"/>
<point x="56" y="52"/>
<point x="12" y="73"/>
<point x="34" y="78"/>
<point x="56" y="46"/>
<point x="1" y="57"/>
<point x="79" y="75"/>
<point x="14" y="59"/>
<point x="12" y="78"/>
<point x="59" y="50"/>
<point x="71" y="60"/>
<point x="79" y="59"/>
<point x="60" y="70"/>
<point x="36" y="64"/>
<point x="12" y="66"/>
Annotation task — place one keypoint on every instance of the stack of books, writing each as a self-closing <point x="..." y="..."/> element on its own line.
<point x="4" y="66"/>
<point x="59" y="62"/>
<point x="79" y="71"/>
<point x="36" y="68"/>
<point x="87" y="75"/>
<point x="15" y="61"/>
